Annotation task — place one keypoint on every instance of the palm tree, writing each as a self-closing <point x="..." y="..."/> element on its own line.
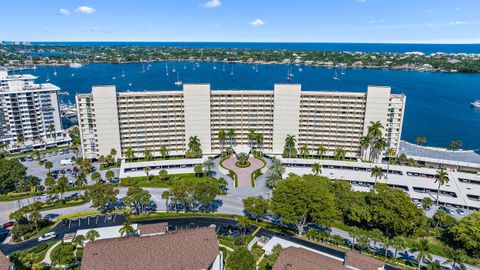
<point x="251" y="137"/>
<point x="81" y="180"/>
<point x="163" y="174"/>
<point x="198" y="169"/>
<point x="340" y="153"/>
<point x="147" y="154"/>
<point x="304" y="151"/>
<point x="455" y="257"/>
<point x="379" y="146"/>
<point x="222" y="136"/>
<point x="321" y="149"/>
<point x="194" y="146"/>
<point x="164" y="151"/>
<point x="130" y="154"/>
<point x="147" y="171"/>
<point x="375" y="129"/>
<point x="259" y="141"/>
<point x="398" y="242"/>
<point x="48" y="165"/>
<point x="435" y="266"/>
<point x="354" y="233"/>
<point x="290" y="142"/>
<point x="92" y="235"/>
<point x="316" y="169"/>
<point x="79" y="240"/>
<point x="208" y="166"/>
<point x="126" y="229"/>
<point x="441" y="178"/>
<point x="166" y="196"/>
<point x="51" y="130"/>
<point x="365" y="144"/>
<point x="391" y="154"/>
<point x="243" y="223"/>
<point x="113" y="152"/>
<point x="422" y="247"/>
<point x="386" y="243"/>
<point x="35" y="217"/>
<point x="377" y="172"/>
<point x="231" y="136"/>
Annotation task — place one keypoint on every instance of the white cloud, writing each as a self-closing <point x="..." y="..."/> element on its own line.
<point x="257" y="22"/>
<point x="64" y="12"/>
<point x="212" y="4"/>
<point x="457" y="23"/>
<point x="361" y="1"/>
<point x="85" y="10"/>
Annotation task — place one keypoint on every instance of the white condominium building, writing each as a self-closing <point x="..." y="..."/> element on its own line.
<point x="152" y="119"/>
<point x="29" y="114"/>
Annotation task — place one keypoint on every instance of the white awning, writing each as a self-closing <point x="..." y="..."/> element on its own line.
<point x="242" y="149"/>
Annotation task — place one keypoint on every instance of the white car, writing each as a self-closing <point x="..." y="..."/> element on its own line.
<point x="47" y="236"/>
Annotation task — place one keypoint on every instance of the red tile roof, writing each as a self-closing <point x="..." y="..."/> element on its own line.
<point x="190" y="249"/>
<point x="294" y="258"/>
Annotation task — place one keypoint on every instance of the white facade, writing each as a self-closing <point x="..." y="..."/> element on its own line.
<point x="29" y="113"/>
<point x="152" y="119"/>
<point x="462" y="189"/>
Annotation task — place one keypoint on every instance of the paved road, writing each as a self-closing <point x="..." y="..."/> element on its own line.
<point x="243" y="174"/>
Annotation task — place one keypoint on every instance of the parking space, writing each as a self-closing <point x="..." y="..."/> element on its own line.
<point x="63" y="162"/>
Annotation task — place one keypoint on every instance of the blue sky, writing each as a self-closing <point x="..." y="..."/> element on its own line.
<point x="409" y="21"/>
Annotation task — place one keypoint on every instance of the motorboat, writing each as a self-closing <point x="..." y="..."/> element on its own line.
<point x="476" y="103"/>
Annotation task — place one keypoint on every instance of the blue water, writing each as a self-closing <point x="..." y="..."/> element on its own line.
<point x="438" y="104"/>
<point x="352" y="47"/>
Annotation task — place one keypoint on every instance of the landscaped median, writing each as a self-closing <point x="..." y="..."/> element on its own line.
<point x="230" y="173"/>
<point x="258" y="172"/>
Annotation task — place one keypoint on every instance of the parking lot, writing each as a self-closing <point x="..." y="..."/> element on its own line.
<point x="58" y="170"/>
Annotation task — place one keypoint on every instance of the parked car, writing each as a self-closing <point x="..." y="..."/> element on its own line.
<point x="47" y="236"/>
<point x="115" y="180"/>
<point x="8" y="224"/>
<point x="460" y="212"/>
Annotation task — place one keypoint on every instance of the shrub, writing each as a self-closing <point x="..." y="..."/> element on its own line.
<point x="40" y="247"/>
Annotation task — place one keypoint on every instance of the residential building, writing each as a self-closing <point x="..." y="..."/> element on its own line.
<point x="192" y="249"/>
<point x="152" y="119"/>
<point x="296" y="258"/>
<point x="29" y="114"/>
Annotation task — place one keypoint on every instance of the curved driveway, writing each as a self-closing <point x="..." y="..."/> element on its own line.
<point x="244" y="174"/>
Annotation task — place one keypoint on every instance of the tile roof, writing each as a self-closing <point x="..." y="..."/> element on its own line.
<point x="362" y="262"/>
<point x="5" y="263"/>
<point x="154" y="228"/>
<point x="294" y="258"/>
<point x="189" y="249"/>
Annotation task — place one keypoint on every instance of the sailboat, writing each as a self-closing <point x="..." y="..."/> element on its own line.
<point x="193" y="66"/>
<point x="231" y="72"/>
<point x="54" y="72"/>
<point x="123" y="73"/>
<point x="174" y="69"/>
<point x="178" y="82"/>
<point x="48" y="78"/>
<point x="149" y="66"/>
<point x="143" y="68"/>
<point x="291" y="72"/>
<point x="300" y="69"/>
<point x="114" y="78"/>
<point x="335" y="76"/>
<point x="166" y="69"/>
<point x="288" y="75"/>
<point x="184" y="66"/>
<point x="130" y="84"/>
<point x="214" y="67"/>
<point x="223" y="66"/>
<point x="256" y="68"/>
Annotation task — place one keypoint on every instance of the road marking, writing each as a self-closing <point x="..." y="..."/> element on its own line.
<point x="255" y="232"/>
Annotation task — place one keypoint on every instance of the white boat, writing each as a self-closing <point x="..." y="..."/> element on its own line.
<point x="288" y="75"/>
<point x="48" y="78"/>
<point x="214" y="67"/>
<point x="73" y="74"/>
<point x="335" y="76"/>
<point x="174" y="69"/>
<point x="178" y="82"/>
<point x="130" y="84"/>
<point x="300" y="69"/>
<point x="123" y="73"/>
<point x="166" y="69"/>
<point x="476" y="103"/>
<point x="75" y="65"/>
<point x="54" y="72"/>
<point x="143" y="68"/>
<point x="114" y="78"/>
<point x="231" y="72"/>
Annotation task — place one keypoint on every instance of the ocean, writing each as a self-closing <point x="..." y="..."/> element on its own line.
<point x="325" y="46"/>
<point x="438" y="104"/>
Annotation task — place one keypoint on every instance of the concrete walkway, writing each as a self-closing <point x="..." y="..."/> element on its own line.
<point x="244" y="174"/>
<point x="47" y="259"/>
